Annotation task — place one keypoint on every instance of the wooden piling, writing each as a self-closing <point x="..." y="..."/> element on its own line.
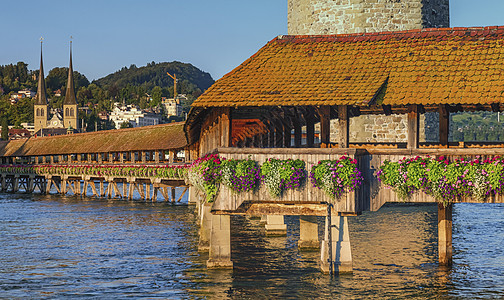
<point x="445" y="234"/>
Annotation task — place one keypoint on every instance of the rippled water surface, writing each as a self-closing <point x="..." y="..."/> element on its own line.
<point x="59" y="247"/>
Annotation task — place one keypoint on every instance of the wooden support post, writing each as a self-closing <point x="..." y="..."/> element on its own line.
<point x="226" y="121"/>
<point x="310" y="132"/>
<point x="144" y="157"/>
<point x="287" y="136"/>
<point x="100" y="158"/>
<point x="147" y="191"/>
<point x="156" y="157"/>
<point x="279" y="135"/>
<point x="297" y="133"/>
<point x="343" y="125"/>
<point x="413" y="126"/>
<point x="132" y="157"/>
<point x="445" y="234"/>
<point x="102" y="190"/>
<point x="124" y="189"/>
<point x="444" y="124"/>
<point x="171" y="158"/>
<point x="131" y="189"/>
<point x="325" y="124"/>
<point x="173" y="194"/>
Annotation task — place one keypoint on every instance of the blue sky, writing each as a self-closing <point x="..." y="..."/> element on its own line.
<point x="215" y="36"/>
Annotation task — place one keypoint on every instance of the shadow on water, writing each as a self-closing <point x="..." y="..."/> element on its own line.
<point x="56" y="247"/>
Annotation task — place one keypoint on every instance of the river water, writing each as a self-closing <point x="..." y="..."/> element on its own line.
<point x="69" y="247"/>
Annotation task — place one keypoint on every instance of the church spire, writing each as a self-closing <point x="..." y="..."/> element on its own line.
<point x="41" y="90"/>
<point x="70" y="89"/>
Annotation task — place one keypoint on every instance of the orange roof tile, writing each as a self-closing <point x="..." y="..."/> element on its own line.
<point x="148" y="138"/>
<point x="429" y="66"/>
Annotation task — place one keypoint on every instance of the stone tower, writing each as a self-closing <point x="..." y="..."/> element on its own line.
<point x="40" y="106"/>
<point x="311" y="17"/>
<point x="70" y="109"/>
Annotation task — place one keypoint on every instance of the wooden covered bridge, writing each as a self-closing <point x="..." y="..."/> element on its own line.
<point x="74" y="163"/>
<point x="304" y="97"/>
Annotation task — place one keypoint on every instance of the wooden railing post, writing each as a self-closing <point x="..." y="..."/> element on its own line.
<point x="444" y="124"/>
<point x="413" y="125"/>
<point x="343" y="124"/>
<point x="325" y="124"/>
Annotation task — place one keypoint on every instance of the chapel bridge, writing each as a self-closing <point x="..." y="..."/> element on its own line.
<point x="304" y="97"/>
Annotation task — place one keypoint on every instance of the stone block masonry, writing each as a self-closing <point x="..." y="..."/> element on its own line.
<point x="309" y="17"/>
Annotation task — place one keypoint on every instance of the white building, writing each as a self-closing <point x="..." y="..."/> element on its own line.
<point x="133" y="115"/>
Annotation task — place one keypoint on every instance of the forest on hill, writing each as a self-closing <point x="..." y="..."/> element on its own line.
<point x="142" y="86"/>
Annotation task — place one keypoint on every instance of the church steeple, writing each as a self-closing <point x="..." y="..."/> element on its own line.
<point x="70" y="88"/>
<point x="70" y="109"/>
<point x="40" y="112"/>
<point x="41" y="90"/>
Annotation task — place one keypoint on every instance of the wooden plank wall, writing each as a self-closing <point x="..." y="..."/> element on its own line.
<point x="228" y="200"/>
<point x="369" y="197"/>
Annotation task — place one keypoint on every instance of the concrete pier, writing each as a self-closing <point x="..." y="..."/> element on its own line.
<point x="275" y="225"/>
<point x="205" y="228"/>
<point x="220" y="243"/>
<point x="338" y="241"/>
<point x="308" y="233"/>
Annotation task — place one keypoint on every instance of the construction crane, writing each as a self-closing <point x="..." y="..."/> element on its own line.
<point x="174" y="84"/>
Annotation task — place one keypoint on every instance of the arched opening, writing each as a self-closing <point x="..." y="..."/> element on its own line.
<point x="38" y="112"/>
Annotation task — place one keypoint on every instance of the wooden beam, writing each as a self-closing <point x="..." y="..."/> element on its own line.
<point x="444" y="124"/>
<point x="343" y="126"/>
<point x="257" y="209"/>
<point x="413" y="126"/>
<point x="324" y="112"/>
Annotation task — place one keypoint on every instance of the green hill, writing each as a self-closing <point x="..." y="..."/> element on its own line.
<point x="190" y="78"/>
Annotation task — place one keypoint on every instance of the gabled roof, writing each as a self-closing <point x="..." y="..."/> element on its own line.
<point x="428" y="66"/>
<point x="148" y="138"/>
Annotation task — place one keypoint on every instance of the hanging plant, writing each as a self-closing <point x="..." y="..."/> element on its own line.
<point x="205" y="174"/>
<point x="444" y="180"/>
<point x="336" y="177"/>
<point x="240" y="175"/>
<point x="280" y="175"/>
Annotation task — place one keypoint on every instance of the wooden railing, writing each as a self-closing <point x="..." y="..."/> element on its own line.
<point x="369" y="197"/>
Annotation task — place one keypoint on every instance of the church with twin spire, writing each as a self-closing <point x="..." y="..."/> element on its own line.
<point x="67" y="121"/>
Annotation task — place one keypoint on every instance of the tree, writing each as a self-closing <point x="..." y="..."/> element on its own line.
<point x="5" y="129"/>
<point x="156" y="94"/>
<point x="126" y="124"/>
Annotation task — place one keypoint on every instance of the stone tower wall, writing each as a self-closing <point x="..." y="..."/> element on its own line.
<point x="308" y="17"/>
<point x="312" y="17"/>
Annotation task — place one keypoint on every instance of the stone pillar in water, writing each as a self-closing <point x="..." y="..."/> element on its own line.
<point x="193" y="197"/>
<point x="205" y="227"/>
<point x="445" y="234"/>
<point x="219" y="256"/>
<point x="275" y="225"/>
<point x="339" y="243"/>
<point x="308" y="233"/>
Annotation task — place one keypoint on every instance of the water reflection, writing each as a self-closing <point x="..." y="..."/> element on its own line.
<point x="57" y="247"/>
